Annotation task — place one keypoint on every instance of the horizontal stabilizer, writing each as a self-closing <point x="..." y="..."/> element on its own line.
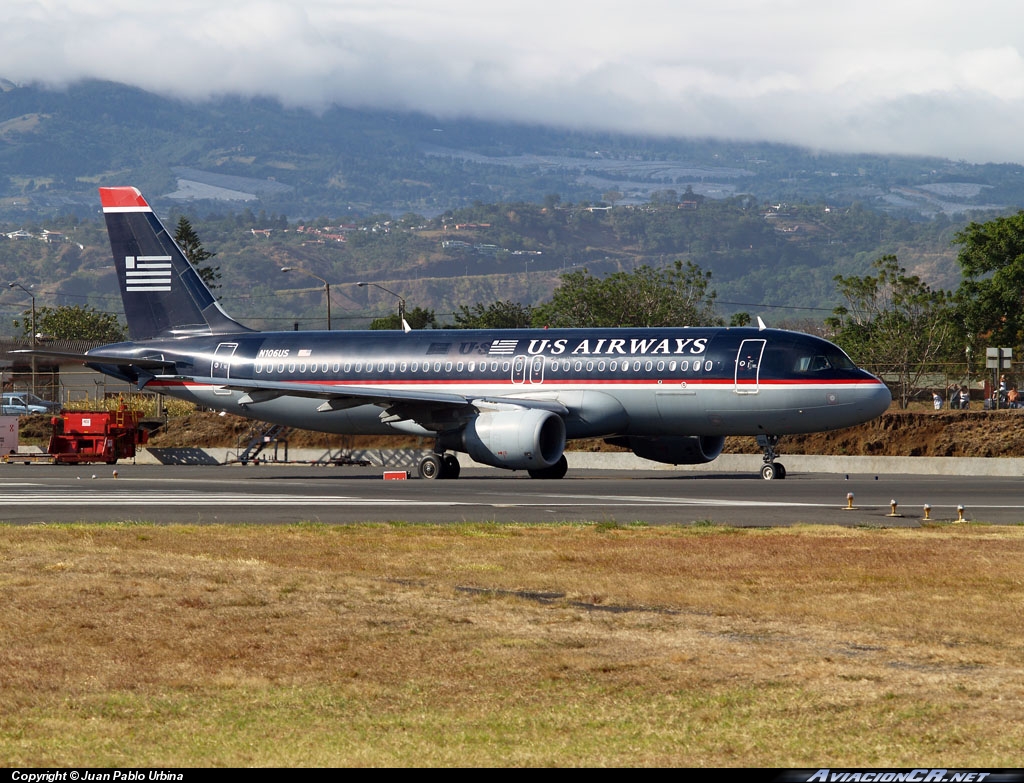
<point x="98" y="358"/>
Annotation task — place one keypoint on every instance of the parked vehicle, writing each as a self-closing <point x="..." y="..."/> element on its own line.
<point x="24" y="403"/>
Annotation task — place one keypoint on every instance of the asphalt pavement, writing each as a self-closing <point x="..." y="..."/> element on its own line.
<point x="271" y="494"/>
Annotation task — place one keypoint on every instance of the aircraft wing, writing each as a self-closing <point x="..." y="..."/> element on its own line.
<point x="340" y="396"/>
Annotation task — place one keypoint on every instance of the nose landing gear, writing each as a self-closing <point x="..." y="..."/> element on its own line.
<point x="771" y="469"/>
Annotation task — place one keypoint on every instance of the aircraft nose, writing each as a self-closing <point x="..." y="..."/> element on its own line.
<point x="878" y="399"/>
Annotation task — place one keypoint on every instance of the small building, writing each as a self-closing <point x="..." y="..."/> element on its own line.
<point x="53" y="379"/>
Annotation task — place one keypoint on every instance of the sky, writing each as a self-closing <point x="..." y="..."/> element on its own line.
<point x="888" y="77"/>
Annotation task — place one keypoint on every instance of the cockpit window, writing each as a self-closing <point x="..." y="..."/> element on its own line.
<point x="803" y="356"/>
<point x="813" y="363"/>
<point x="822" y="357"/>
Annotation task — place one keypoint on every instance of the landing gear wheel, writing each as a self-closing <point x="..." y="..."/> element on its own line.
<point x="770" y="469"/>
<point x="452" y="468"/>
<point x="556" y="471"/>
<point x="431" y="467"/>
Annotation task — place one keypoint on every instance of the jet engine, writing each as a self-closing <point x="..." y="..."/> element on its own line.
<point x="674" y="449"/>
<point x="529" y="439"/>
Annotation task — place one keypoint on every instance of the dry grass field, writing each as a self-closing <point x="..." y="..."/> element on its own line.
<point x="485" y="645"/>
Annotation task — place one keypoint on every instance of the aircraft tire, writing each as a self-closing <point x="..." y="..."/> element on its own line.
<point x="769" y="471"/>
<point x="452" y="468"/>
<point x="780" y="470"/>
<point x="431" y="467"/>
<point x="556" y="471"/>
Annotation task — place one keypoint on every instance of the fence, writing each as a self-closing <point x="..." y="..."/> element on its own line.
<point x="942" y="377"/>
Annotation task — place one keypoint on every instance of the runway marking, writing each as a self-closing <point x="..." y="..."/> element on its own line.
<point x="647" y="500"/>
<point x="125" y="496"/>
<point x="134" y="498"/>
<point x="88" y="497"/>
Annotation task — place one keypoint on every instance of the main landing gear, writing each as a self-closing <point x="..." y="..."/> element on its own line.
<point x="446" y="466"/>
<point x="771" y="469"/>
<point x="440" y="466"/>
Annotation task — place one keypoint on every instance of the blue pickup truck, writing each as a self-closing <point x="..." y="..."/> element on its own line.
<point x="25" y="403"/>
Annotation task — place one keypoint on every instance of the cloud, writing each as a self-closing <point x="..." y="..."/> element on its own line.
<point x="931" y="78"/>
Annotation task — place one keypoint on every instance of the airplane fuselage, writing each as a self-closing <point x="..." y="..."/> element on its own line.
<point x="640" y="382"/>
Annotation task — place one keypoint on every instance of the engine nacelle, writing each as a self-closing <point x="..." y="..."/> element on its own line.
<point x="529" y="439"/>
<point x="675" y="449"/>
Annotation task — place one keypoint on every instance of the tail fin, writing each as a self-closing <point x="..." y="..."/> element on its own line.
<point x="163" y="294"/>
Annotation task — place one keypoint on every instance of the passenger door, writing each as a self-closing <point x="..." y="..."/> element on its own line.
<point x="748" y="367"/>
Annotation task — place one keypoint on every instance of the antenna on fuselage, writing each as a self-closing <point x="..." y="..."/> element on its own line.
<point x="760" y="324"/>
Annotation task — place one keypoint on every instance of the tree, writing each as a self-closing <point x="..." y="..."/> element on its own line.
<point x="417" y="318"/>
<point x="991" y="295"/>
<point x="497" y="315"/>
<point x="74" y="323"/>
<point x="740" y="319"/>
<point x="194" y="251"/>
<point x="670" y="296"/>
<point x="895" y="324"/>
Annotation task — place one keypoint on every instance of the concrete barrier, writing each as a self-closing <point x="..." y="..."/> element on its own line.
<point x="580" y="460"/>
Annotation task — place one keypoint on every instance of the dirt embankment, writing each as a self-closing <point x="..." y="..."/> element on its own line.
<point x="897" y="433"/>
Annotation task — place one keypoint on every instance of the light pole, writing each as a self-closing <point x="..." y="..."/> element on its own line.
<point x="33" y="298"/>
<point x="327" y="288"/>
<point x="401" y="300"/>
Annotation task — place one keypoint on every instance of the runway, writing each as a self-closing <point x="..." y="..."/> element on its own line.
<point x="345" y="495"/>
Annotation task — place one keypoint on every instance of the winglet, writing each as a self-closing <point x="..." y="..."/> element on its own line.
<point x="405" y="326"/>
<point x="760" y="324"/>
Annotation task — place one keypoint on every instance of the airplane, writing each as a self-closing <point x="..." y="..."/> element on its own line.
<point x="509" y="398"/>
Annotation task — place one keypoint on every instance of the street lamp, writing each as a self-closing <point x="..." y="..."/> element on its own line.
<point x="401" y="300"/>
<point x="33" y="298"/>
<point x="327" y="288"/>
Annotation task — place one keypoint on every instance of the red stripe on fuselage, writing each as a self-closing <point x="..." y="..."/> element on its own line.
<point x="548" y="384"/>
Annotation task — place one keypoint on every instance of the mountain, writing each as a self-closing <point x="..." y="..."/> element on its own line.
<point x="457" y="212"/>
<point x="55" y="146"/>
